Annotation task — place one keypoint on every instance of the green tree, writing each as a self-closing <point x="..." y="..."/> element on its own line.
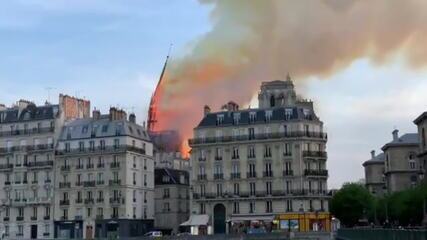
<point x="352" y="203"/>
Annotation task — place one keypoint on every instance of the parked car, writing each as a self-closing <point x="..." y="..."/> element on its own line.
<point x="154" y="234"/>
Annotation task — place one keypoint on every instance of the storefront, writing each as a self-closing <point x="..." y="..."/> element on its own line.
<point x="198" y="225"/>
<point x="304" y="222"/>
<point x="253" y="223"/>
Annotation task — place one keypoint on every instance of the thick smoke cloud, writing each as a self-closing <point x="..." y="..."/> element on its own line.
<point x="254" y="41"/>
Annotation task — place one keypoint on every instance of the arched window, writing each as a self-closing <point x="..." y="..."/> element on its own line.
<point x="272" y="101"/>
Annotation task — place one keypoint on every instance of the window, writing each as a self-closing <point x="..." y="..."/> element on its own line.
<point x="145" y="179"/>
<point x="268" y="188"/>
<point x="268" y="115"/>
<point x="268" y="171"/>
<point x="236" y="188"/>
<point x="252" y="117"/>
<point x="219" y="119"/>
<point x="236" y="208"/>
<point x="236" y="118"/>
<point x="252" y="171"/>
<point x="166" y="193"/>
<point x="47" y="212"/>
<point x="251" y="132"/>
<point x="89" y="212"/>
<point x="287" y="151"/>
<point x="252" y="188"/>
<point x="102" y="144"/>
<point x="116" y="143"/>
<point x="288" y="113"/>
<point x="251" y="152"/>
<point x="269" y="206"/>
<point x="288" y="187"/>
<point x="81" y="146"/>
<point x="166" y="207"/>
<point x="218" y="154"/>
<point x="267" y="151"/>
<point x="252" y="207"/>
<point x="219" y="189"/>
<point x="92" y="145"/>
<point x="134" y="178"/>
<point x="289" y="205"/>
<point x="235" y="153"/>
<point x="202" y="208"/>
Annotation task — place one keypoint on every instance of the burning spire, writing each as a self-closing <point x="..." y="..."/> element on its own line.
<point x="155" y="99"/>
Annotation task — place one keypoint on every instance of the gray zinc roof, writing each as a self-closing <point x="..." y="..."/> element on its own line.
<point x="103" y="127"/>
<point x="30" y="113"/>
<point x="404" y="140"/>
<point x="378" y="159"/>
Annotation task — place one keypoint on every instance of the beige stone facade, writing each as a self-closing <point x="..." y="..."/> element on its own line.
<point x="374" y="174"/>
<point x="253" y="164"/>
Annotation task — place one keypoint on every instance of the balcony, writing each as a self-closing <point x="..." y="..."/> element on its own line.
<point x="115" y="165"/>
<point x="201" y="177"/>
<point x="89" y="183"/>
<point x="100" y="200"/>
<point x="235" y="176"/>
<point x="46" y="217"/>
<point x="80" y="166"/>
<point x="202" y="159"/>
<point x="100" y="165"/>
<point x="235" y="157"/>
<point x="318" y="172"/>
<point x="79" y="201"/>
<point x="117" y="200"/>
<point x="287" y="154"/>
<point x="114" y="182"/>
<point x="114" y="216"/>
<point x="100" y="182"/>
<point x="218" y="158"/>
<point x="6" y="219"/>
<point x="267" y="174"/>
<point x="65" y="168"/>
<point x="64" y="185"/>
<point x="314" y="154"/>
<point x="6" y="167"/>
<point x="101" y="150"/>
<point x="256" y="137"/>
<point x="33" y="218"/>
<point x="288" y="173"/>
<point x="41" y="164"/>
<point x="64" y="202"/>
<point x="20" y="218"/>
<point x="7" y="183"/>
<point x="89" y="201"/>
<point x="90" y="166"/>
<point x="78" y="184"/>
<point x="218" y="176"/>
<point x="251" y="175"/>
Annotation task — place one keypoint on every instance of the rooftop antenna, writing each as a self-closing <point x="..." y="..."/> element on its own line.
<point x="48" y="89"/>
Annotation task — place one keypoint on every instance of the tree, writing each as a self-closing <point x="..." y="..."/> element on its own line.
<point x="352" y="203"/>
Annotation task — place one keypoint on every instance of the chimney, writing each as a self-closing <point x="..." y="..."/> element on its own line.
<point x="116" y="114"/>
<point x="96" y="114"/>
<point x="132" y="118"/>
<point x="373" y="154"/>
<point x="395" y="135"/>
<point x="206" y="110"/>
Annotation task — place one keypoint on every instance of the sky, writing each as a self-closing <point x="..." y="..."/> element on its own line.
<point x="112" y="52"/>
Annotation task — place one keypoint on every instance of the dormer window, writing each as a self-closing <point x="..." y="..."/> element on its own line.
<point x="288" y="113"/>
<point x="84" y="129"/>
<point x="236" y="118"/>
<point x="268" y="115"/>
<point x="252" y="117"/>
<point x="219" y="119"/>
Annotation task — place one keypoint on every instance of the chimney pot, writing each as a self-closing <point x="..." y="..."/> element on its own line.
<point x="96" y="114"/>
<point x="373" y="154"/>
<point x="206" y="110"/>
<point x="132" y="118"/>
<point x="395" y="135"/>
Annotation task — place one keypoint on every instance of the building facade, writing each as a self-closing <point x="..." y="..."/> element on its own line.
<point x="374" y="174"/>
<point x="28" y="135"/>
<point x="172" y="199"/>
<point x="402" y="168"/>
<point x="104" y="178"/>
<point x="421" y="122"/>
<point x="262" y="166"/>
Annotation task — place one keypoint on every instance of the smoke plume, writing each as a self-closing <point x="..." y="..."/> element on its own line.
<point x="256" y="40"/>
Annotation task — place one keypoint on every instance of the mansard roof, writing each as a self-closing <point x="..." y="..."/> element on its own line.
<point x="408" y="139"/>
<point x="102" y="127"/>
<point x="378" y="159"/>
<point x="170" y="176"/>
<point x="29" y="113"/>
<point x="278" y="115"/>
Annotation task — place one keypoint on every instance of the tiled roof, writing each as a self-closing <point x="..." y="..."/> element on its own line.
<point x="278" y="114"/>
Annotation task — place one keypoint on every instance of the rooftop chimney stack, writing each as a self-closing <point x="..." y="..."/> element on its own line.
<point x="373" y="154"/>
<point x="117" y="114"/>
<point x="206" y="110"/>
<point x="395" y="135"/>
<point x="132" y="118"/>
<point x="96" y="114"/>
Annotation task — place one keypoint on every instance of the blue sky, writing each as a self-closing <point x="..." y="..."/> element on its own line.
<point x="112" y="52"/>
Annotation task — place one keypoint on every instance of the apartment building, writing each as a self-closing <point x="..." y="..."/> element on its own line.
<point x="172" y="199"/>
<point x="104" y="178"/>
<point x="264" y="166"/>
<point x="421" y="122"/>
<point x="402" y="168"/>
<point x="374" y="174"/>
<point x="28" y="135"/>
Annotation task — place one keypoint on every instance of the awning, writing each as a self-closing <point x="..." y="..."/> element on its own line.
<point x="196" y="220"/>
<point x="241" y="218"/>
